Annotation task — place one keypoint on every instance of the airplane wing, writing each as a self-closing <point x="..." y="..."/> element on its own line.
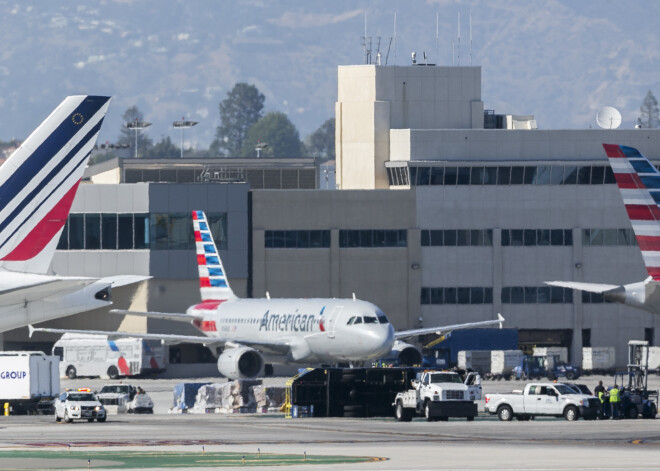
<point x="590" y="287"/>
<point x="170" y="316"/>
<point x="123" y="280"/>
<point x="275" y="346"/>
<point x="443" y="329"/>
<point x="10" y="295"/>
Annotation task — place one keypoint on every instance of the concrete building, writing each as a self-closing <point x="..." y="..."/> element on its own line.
<point x="440" y="219"/>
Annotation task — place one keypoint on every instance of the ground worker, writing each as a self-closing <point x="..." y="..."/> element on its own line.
<point x="615" y="402"/>
<point x="601" y="394"/>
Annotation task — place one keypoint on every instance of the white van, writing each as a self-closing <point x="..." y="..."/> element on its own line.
<point x="96" y="355"/>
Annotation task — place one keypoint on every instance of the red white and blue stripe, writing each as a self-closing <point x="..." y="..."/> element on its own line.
<point x="39" y="181"/>
<point x="213" y="283"/>
<point x="639" y="183"/>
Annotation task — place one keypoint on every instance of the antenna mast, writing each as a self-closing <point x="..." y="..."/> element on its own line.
<point x="394" y="38"/>
<point x="436" y="37"/>
<point x="470" y="37"/>
<point x="458" y="48"/>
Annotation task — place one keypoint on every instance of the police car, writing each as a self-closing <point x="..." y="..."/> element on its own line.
<point x="80" y="404"/>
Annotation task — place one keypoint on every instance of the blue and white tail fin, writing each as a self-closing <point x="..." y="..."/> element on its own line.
<point x="213" y="282"/>
<point x="39" y="181"/>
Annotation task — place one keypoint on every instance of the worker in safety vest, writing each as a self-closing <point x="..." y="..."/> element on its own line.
<point x="615" y="402"/>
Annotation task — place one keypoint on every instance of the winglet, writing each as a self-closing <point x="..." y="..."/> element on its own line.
<point x="500" y="318"/>
<point x="30" y="330"/>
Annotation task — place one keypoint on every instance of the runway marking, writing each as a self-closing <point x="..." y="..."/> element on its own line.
<point x="63" y="459"/>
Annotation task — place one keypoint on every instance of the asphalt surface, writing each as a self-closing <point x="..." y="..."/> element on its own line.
<point x="485" y="443"/>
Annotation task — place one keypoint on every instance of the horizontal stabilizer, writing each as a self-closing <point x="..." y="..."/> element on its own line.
<point x="171" y="316"/>
<point x="590" y="287"/>
<point x="447" y="328"/>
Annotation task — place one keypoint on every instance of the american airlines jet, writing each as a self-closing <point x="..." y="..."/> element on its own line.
<point x="254" y="332"/>
<point x="639" y="183"/>
<point x="37" y="185"/>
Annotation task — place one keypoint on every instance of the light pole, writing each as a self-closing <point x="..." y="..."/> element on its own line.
<point x="259" y="147"/>
<point x="183" y="125"/>
<point x="137" y="126"/>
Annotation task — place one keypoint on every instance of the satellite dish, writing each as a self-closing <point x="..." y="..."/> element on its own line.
<point x="608" y="117"/>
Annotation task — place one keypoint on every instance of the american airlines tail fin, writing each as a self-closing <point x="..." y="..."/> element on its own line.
<point x="213" y="282"/>
<point x="639" y="183"/>
<point x="39" y="181"/>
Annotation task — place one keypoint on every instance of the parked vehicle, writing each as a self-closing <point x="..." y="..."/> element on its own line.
<point x="543" y="399"/>
<point x="545" y="366"/>
<point x="637" y="400"/>
<point x="28" y="382"/>
<point x="81" y="404"/>
<point x="97" y="355"/>
<point x="438" y="395"/>
<point x="443" y="352"/>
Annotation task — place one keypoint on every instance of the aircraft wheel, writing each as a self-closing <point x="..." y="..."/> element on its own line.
<point x="113" y="373"/>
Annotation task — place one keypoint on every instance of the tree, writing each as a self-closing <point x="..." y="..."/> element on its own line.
<point x="164" y="149"/>
<point x="278" y="132"/>
<point x="321" y="143"/>
<point x="238" y="112"/>
<point x="650" y="114"/>
<point x="127" y="136"/>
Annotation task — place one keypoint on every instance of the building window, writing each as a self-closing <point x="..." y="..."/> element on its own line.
<point x="536" y="295"/>
<point x="162" y="231"/>
<point x="297" y="239"/>
<point x="536" y="237"/>
<point x="502" y="175"/>
<point x="601" y="237"/>
<point x="372" y="238"/>
<point x="459" y="295"/>
<point x="452" y="237"/>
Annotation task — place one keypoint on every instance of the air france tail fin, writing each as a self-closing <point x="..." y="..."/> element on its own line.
<point x="213" y="282"/>
<point x="39" y="181"/>
<point x="639" y="183"/>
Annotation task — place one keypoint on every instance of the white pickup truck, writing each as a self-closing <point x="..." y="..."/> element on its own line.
<point x="438" y="395"/>
<point x="543" y="399"/>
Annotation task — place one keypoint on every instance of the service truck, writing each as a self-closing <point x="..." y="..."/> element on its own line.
<point x="29" y="381"/>
<point x="97" y="355"/>
<point x="438" y="395"/>
<point x="543" y="399"/>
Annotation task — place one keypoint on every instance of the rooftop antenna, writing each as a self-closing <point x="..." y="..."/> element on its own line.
<point x="608" y="117"/>
<point x="436" y="36"/>
<point x="394" y="38"/>
<point x="458" y="47"/>
<point x="388" y="51"/>
<point x="470" y="37"/>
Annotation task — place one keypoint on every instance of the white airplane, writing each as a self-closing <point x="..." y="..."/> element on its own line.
<point x="37" y="186"/>
<point x="254" y="332"/>
<point x="639" y="183"/>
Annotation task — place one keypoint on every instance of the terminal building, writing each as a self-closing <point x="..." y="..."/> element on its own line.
<point x="446" y="213"/>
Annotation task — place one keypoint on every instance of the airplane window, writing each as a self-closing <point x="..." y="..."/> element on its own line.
<point x="351" y="320"/>
<point x="383" y="319"/>
<point x="370" y="320"/>
<point x="358" y="320"/>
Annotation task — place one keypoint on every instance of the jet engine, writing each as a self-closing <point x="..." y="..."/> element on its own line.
<point x="405" y="354"/>
<point x="240" y="363"/>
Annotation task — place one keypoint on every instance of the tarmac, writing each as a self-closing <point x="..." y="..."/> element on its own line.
<point x="369" y="444"/>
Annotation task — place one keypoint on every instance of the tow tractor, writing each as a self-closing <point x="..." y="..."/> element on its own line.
<point x="438" y="395"/>
<point x="637" y="399"/>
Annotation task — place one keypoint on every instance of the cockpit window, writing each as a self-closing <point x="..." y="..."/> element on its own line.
<point x="383" y="319"/>
<point x="370" y="320"/>
<point x="358" y="320"/>
<point x="351" y="320"/>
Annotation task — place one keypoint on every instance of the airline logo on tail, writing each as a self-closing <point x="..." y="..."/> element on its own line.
<point x="39" y="181"/>
<point x="213" y="284"/>
<point x="639" y="183"/>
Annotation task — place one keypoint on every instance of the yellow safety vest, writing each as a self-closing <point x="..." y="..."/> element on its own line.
<point x="601" y="396"/>
<point x="614" y="395"/>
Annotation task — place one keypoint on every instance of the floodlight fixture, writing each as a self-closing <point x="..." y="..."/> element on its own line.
<point x="137" y="126"/>
<point x="183" y="125"/>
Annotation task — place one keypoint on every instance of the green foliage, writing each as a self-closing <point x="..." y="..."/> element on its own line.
<point x="650" y="114"/>
<point x="164" y="149"/>
<point x="127" y="136"/>
<point x="321" y="143"/>
<point x="278" y="132"/>
<point x="238" y="113"/>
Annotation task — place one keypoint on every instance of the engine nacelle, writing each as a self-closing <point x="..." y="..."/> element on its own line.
<point x="405" y="354"/>
<point x="240" y="363"/>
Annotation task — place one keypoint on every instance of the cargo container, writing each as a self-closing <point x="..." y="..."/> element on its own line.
<point x="598" y="360"/>
<point x="28" y="382"/>
<point x="444" y="353"/>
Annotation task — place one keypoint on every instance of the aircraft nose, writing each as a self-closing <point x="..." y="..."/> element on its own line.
<point x="384" y="340"/>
